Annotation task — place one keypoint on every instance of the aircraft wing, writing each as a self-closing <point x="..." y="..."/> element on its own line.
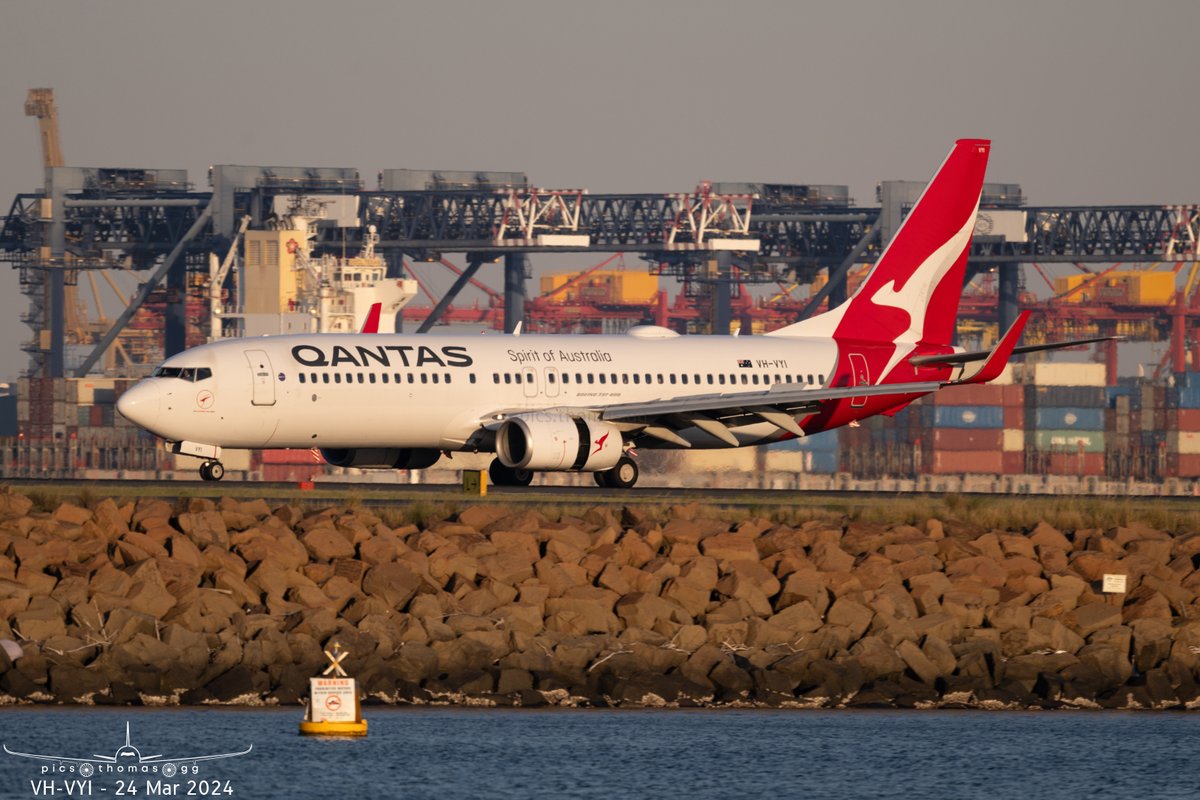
<point x="107" y="759"/>
<point x="716" y="413"/>
<point x="160" y="760"/>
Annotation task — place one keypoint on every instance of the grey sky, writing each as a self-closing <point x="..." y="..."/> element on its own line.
<point x="1087" y="102"/>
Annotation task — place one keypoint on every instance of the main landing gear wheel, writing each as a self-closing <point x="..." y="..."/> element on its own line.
<point x="212" y="471"/>
<point x="501" y="475"/>
<point x="623" y="476"/>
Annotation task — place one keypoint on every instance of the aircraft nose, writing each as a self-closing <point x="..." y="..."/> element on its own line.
<point x="139" y="404"/>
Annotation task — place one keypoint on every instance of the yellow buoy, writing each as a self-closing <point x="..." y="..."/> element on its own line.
<point x="333" y="703"/>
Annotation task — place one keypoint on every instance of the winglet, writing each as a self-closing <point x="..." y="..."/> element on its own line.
<point x="371" y="323"/>
<point x="998" y="360"/>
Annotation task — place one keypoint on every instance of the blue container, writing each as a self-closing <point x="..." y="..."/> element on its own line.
<point x="824" y="461"/>
<point x="1113" y="392"/>
<point x="1083" y="419"/>
<point x="824" y="442"/>
<point x="1188" y="380"/>
<point x="968" y="417"/>
<point x="1184" y="397"/>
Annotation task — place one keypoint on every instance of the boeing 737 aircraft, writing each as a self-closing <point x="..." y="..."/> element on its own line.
<point x="584" y="403"/>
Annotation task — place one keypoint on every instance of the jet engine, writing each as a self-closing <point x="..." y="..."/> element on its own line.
<point x="382" y="458"/>
<point x="558" y="442"/>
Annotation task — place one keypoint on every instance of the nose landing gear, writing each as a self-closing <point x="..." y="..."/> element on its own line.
<point x="212" y="471"/>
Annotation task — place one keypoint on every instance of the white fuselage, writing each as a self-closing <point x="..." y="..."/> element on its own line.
<point x="438" y="392"/>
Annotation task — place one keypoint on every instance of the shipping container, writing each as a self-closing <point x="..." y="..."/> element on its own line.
<point x="1184" y="442"/>
<point x="977" y="395"/>
<point x="291" y="457"/>
<point x="1089" y="419"/>
<point x="1012" y="463"/>
<point x="967" y="439"/>
<point x="951" y="462"/>
<point x="291" y="472"/>
<point x="1014" y="416"/>
<point x="1013" y="440"/>
<point x="1076" y="464"/>
<point x="968" y="417"/>
<point x="1066" y="396"/>
<point x="1086" y="441"/>
<point x="1184" y="419"/>
<point x="1183" y="465"/>
<point x="1051" y="373"/>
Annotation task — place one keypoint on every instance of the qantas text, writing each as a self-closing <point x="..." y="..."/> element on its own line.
<point x="406" y="355"/>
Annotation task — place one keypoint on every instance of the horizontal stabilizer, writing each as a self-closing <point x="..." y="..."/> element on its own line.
<point x="979" y="355"/>
<point x="998" y="358"/>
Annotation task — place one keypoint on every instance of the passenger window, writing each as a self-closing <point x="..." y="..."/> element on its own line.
<point x="810" y="378"/>
<point x="424" y="377"/>
<point x="683" y="377"/>
<point x="435" y="378"/>
<point x="337" y="377"/>
<point x="624" y="377"/>
<point x="579" y="377"/>
<point x="697" y="377"/>
<point x="529" y="377"/>
<point x="602" y="377"/>
<point x="566" y="377"/>
<point x="660" y="377"/>
<point x="312" y="377"/>
<point x="371" y="377"/>
<point x="324" y="377"/>
<point x="471" y="377"/>
<point x="821" y="379"/>
<point x="550" y="377"/>
<point x="744" y="379"/>
<point x="349" y="377"/>
<point x="721" y="379"/>
<point x="302" y="377"/>
<point x="591" y="378"/>
<point x="360" y="377"/>
<point x="495" y="377"/>
<point x="710" y="380"/>
<point x="447" y="378"/>
<point x="637" y="378"/>
<point x="672" y="378"/>
<point x="412" y="378"/>
<point x="385" y="377"/>
<point x="508" y="377"/>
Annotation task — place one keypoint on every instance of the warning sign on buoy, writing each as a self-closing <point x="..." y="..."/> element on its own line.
<point x="333" y="706"/>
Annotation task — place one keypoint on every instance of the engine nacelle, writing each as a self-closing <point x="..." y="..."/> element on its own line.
<point x="381" y="458"/>
<point x="558" y="442"/>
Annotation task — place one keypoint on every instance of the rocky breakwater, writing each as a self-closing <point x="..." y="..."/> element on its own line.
<point x="149" y="602"/>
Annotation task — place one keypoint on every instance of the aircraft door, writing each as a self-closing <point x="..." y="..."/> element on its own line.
<point x="263" y="392"/>
<point x="859" y="376"/>
<point x="529" y="380"/>
<point x="551" y="377"/>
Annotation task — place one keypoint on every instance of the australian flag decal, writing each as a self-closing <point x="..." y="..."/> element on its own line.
<point x="744" y="363"/>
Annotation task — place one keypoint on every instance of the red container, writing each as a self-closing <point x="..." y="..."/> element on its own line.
<point x="291" y="473"/>
<point x="1014" y="417"/>
<point x="1013" y="463"/>
<point x="972" y="395"/>
<point x="1184" y="419"/>
<point x="302" y="457"/>
<point x="1076" y="464"/>
<point x="1183" y="465"/>
<point x="967" y="439"/>
<point x="954" y="462"/>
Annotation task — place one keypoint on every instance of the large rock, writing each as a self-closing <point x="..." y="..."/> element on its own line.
<point x="393" y="583"/>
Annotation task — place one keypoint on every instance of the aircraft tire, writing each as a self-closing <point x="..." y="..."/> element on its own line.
<point x="216" y="471"/>
<point x="623" y="476"/>
<point x="205" y="473"/>
<point x="601" y="479"/>
<point x="501" y="475"/>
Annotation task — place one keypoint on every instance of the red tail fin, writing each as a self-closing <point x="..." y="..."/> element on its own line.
<point x="912" y="293"/>
<point x="371" y="323"/>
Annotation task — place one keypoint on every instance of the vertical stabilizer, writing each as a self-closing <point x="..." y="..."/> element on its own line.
<point x="912" y="294"/>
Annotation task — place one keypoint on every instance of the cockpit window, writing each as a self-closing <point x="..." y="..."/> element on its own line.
<point x="189" y="374"/>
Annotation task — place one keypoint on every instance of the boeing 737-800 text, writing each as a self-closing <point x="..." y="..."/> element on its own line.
<point x="583" y="403"/>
